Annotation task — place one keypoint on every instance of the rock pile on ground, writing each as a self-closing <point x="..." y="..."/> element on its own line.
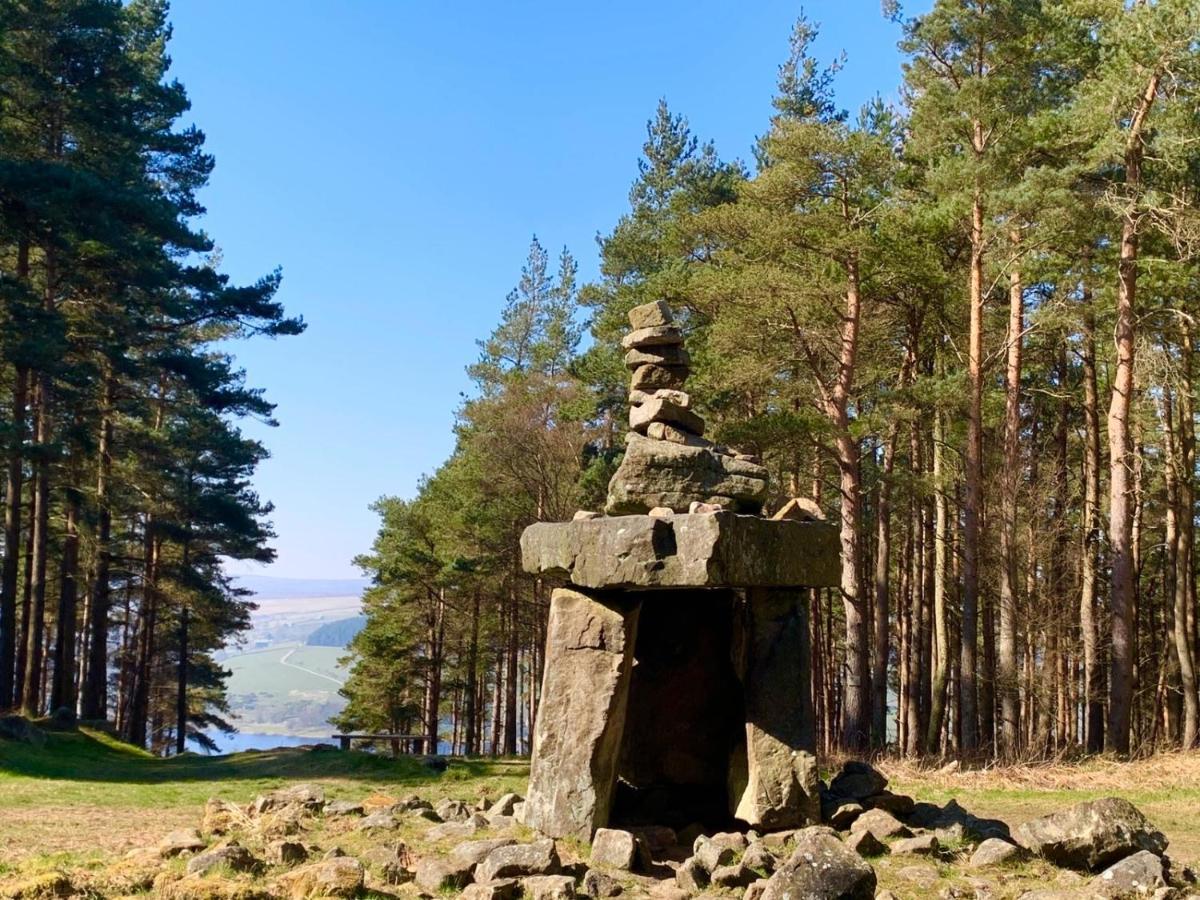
<point x="668" y="465"/>
<point x="383" y="846"/>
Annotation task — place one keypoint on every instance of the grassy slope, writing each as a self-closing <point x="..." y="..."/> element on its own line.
<point x="261" y="671"/>
<point x="86" y="791"/>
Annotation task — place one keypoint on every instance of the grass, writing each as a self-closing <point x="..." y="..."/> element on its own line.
<point x="262" y="672"/>
<point x="87" y="790"/>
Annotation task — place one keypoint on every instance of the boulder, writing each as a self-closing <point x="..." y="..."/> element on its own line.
<point x="921" y="845"/>
<point x="472" y="853"/>
<point x="589" y="662"/>
<point x="673" y="357"/>
<point x="341" y="876"/>
<point x="712" y="855"/>
<point x="821" y="868"/>
<point x="865" y="843"/>
<point x="1137" y="875"/>
<point x="453" y="810"/>
<point x="505" y="806"/>
<point x="519" y="860"/>
<point x="597" y="884"/>
<point x="841" y="814"/>
<point x="662" y="473"/>
<point x="309" y="796"/>
<point x="737" y="875"/>
<point x="755" y="890"/>
<point x="1091" y="835"/>
<point x="614" y="849"/>
<point x="857" y="781"/>
<point x="548" y="887"/>
<point x="384" y="820"/>
<point x="760" y="859"/>
<point x="692" y="875"/>
<point x="653" y="377"/>
<point x="344" y="808"/>
<point x="996" y="852"/>
<point x="233" y="857"/>
<point x="666" y="411"/>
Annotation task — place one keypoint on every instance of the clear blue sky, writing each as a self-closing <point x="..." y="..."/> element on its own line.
<point x="396" y="157"/>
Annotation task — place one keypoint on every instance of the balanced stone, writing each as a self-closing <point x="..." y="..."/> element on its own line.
<point x="667" y="411"/>
<point x="679" y="398"/>
<point x="687" y="550"/>
<point x="662" y="431"/>
<point x="666" y="355"/>
<point x="657" y="336"/>
<point x="651" y="315"/>
<point x="660" y="473"/>
<point x="654" y="377"/>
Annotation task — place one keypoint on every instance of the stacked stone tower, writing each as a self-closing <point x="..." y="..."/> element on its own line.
<point x="668" y="464"/>
<point x="676" y="687"/>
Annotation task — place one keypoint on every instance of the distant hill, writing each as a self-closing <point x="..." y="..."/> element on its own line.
<point x="337" y="634"/>
<point x="269" y="587"/>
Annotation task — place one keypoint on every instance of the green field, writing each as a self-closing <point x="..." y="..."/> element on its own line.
<point x="289" y="689"/>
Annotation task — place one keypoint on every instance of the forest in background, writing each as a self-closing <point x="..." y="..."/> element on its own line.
<point x="126" y="479"/>
<point x="964" y="325"/>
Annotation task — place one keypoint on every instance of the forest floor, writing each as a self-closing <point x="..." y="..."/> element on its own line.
<point x="85" y="799"/>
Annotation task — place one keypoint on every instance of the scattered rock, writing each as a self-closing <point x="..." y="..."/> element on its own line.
<point x="882" y="824"/>
<point x="1138" y="875"/>
<point x="995" y="852"/>
<point x="501" y="889"/>
<point x="755" y="890"/>
<point x="857" y="781"/>
<point x="183" y="840"/>
<point x="864" y="843"/>
<point x="759" y="858"/>
<point x="821" y="868"/>
<point x="737" y="875"/>
<point x="924" y="876"/>
<point x="896" y="804"/>
<point x="434" y="874"/>
<point x="1091" y="835"/>
<point x="692" y="875"/>
<point x="841" y="814"/>
<point x="40" y="886"/>
<point x="309" y="796"/>
<point x="453" y="810"/>
<point x="234" y="857"/>
<point x="384" y="820"/>
<point x="657" y="839"/>
<point x="286" y="853"/>
<point x="506" y="805"/>
<point x="390" y="863"/>
<point x="451" y="831"/>
<point x="424" y="812"/>
<point x="472" y="853"/>
<point x="344" y="808"/>
<point x="614" y="849"/>
<point x="341" y="876"/>
<point x="921" y="845"/>
<point x="548" y="887"/>
<point x="222" y="817"/>
<point x="713" y="854"/>
<point x="597" y="884"/>
<point x="518" y="860"/>
<point x="651" y="315"/>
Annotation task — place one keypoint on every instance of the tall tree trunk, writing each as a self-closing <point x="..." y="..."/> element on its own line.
<point x="94" y="702"/>
<point x="881" y="648"/>
<point x="1006" y="673"/>
<point x="1121" y="507"/>
<point x="62" y="693"/>
<point x="9" y="580"/>
<point x="181" y="685"/>
<point x="31" y="697"/>
<point x="1093" y="671"/>
<point x="1186" y="544"/>
<point x="972" y="487"/>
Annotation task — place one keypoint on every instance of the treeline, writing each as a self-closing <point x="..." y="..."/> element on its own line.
<point x="126" y="478"/>
<point x="965" y="326"/>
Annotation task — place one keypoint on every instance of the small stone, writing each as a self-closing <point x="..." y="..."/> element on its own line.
<point x="857" y="781"/>
<point x="310" y="796"/>
<point x="661" y="512"/>
<point x="799" y="509"/>
<point x="584" y="515"/>
<point x="344" y="808"/>
<point x="651" y="315"/>
<point x="896" y="804"/>
<point x="548" y="887"/>
<point x="501" y="889"/>
<point x="842" y="815"/>
<point x="517" y="860"/>
<point x="613" y="848"/>
<point x="451" y="831"/>
<point x="925" y="876"/>
<point x="759" y="858"/>
<point x="666" y="890"/>
<point x="755" y="890"/>
<point x="383" y="820"/>
<point x="777" y="840"/>
<point x="390" y="863"/>
<point x="342" y="876"/>
<point x="222" y="817"/>
<point x="735" y="876"/>
<point x="667" y="412"/>
<point x="184" y="840"/>
<point x="712" y="855"/>
<point x="679" y="398"/>
<point x="472" y="853"/>
<point x="921" y="845"/>
<point x="662" y="431"/>
<point x="286" y="853"/>
<point x="692" y="875"/>
<point x="597" y="884"/>
<point x="1138" y="875"/>
<point x="696" y="507"/>
<point x="865" y="843"/>
<point x="995" y="852"/>
<point x="436" y="875"/>
<point x="881" y="824"/>
<point x="232" y="856"/>
<point x="424" y="812"/>
<point x="453" y="810"/>
<point x="655" y="336"/>
<point x="333" y="853"/>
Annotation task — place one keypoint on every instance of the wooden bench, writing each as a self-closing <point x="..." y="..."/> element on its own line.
<point x="411" y="743"/>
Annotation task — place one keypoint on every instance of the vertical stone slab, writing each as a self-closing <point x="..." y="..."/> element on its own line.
<point x="780" y="777"/>
<point x="581" y="719"/>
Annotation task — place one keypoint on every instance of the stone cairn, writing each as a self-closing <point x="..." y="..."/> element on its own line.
<point x="668" y="465"/>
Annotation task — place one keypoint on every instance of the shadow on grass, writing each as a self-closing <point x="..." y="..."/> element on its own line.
<point x="87" y="755"/>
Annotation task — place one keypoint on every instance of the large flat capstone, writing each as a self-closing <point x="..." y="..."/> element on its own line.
<point x="686" y="550"/>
